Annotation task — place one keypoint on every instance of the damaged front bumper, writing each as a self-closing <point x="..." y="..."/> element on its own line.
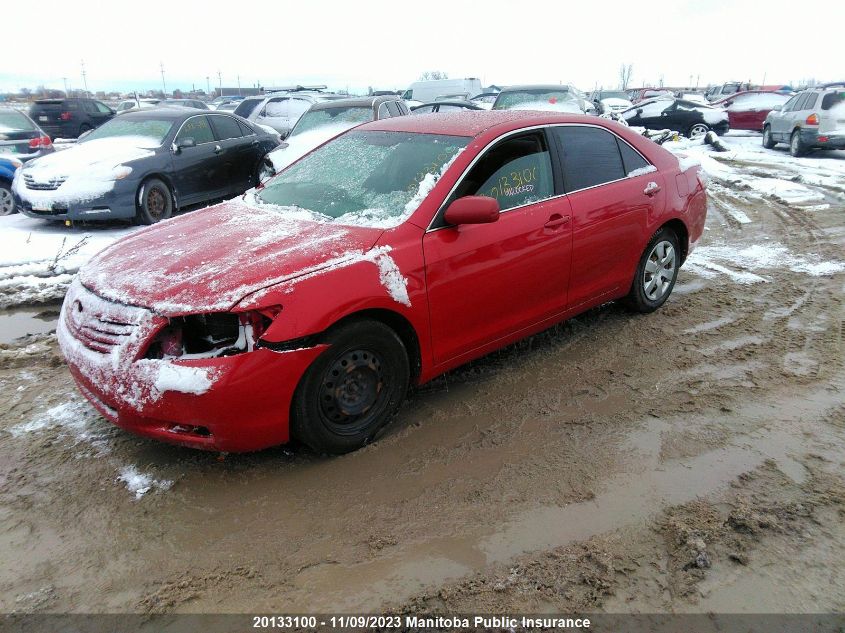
<point x="234" y="403"/>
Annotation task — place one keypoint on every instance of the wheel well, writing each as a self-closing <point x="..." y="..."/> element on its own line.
<point x="681" y="231"/>
<point x="398" y="324"/>
<point x="166" y="181"/>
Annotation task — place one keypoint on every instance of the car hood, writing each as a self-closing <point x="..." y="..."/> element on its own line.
<point x="207" y="261"/>
<point x="94" y="160"/>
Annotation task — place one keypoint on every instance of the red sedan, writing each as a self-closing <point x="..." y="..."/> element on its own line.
<point x="393" y="253"/>
<point x="747" y="110"/>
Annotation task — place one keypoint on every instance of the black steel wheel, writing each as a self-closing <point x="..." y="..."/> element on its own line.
<point x="155" y="202"/>
<point x="352" y="390"/>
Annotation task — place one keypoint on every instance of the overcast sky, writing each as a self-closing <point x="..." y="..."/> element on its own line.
<point x="361" y="43"/>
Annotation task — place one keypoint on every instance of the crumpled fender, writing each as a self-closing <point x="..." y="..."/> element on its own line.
<point x="390" y="276"/>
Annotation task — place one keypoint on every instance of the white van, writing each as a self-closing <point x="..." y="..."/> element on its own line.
<point x="424" y="91"/>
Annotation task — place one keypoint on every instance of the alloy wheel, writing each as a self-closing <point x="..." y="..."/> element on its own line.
<point x="7" y="203"/>
<point x="698" y="131"/>
<point x="659" y="270"/>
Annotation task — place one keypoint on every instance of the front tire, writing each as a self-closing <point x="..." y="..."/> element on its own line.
<point x="352" y="390"/>
<point x="7" y="201"/>
<point x="155" y="202"/>
<point x="656" y="273"/>
<point x="768" y="139"/>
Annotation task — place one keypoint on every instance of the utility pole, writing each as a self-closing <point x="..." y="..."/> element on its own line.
<point x="208" y="85"/>
<point x="239" y="85"/>
<point x="64" y="79"/>
<point x="220" y="82"/>
<point x="163" y="85"/>
<point x="84" y="78"/>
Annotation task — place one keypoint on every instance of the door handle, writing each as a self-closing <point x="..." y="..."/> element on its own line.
<point x="217" y="149"/>
<point x="557" y="220"/>
<point x="255" y="142"/>
<point x="651" y="189"/>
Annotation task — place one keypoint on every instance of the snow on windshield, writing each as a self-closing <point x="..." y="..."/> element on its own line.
<point x="364" y="178"/>
<point x="148" y="133"/>
<point x="649" y="108"/>
<point x="761" y="101"/>
<point x="298" y="145"/>
<point x="342" y="116"/>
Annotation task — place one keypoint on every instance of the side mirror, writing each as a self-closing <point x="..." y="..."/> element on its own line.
<point x="472" y="210"/>
<point x="183" y="143"/>
<point x="777" y="108"/>
<point x="639" y="111"/>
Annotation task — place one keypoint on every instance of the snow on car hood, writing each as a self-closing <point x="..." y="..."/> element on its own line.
<point x="297" y="146"/>
<point x="208" y="260"/>
<point x="86" y="171"/>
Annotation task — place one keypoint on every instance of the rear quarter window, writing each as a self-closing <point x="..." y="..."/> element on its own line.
<point x="832" y="98"/>
<point x="590" y="157"/>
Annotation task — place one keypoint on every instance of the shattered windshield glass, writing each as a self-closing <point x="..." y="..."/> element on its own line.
<point x="368" y="178"/>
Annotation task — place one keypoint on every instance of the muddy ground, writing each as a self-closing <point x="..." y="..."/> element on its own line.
<point x="688" y="460"/>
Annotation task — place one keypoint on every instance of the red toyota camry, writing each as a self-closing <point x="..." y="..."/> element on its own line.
<point x="391" y="254"/>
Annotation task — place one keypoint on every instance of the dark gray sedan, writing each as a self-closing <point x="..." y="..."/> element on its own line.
<point x="145" y="165"/>
<point x="20" y="136"/>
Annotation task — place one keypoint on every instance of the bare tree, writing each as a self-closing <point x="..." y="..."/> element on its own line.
<point x="431" y="75"/>
<point x="625" y="72"/>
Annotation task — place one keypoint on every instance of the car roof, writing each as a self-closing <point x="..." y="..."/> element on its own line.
<point x="175" y="114"/>
<point x="468" y="105"/>
<point x="361" y="102"/>
<point x="471" y="122"/>
<point x="536" y="87"/>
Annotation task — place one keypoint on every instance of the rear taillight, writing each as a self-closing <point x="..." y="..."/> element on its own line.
<point x="41" y="141"/>
<point x="66" y="116"/>
<point x="813" y="119"/>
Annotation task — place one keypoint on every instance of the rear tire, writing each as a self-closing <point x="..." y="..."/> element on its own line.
<point x="84" y="128"/>
<point x="154" y="203"/>
<point x="796" y="147"/>
<point x="698" y="130"/>
<point x="7" y="201"/>
<point x="768" y="140"/>
<point x="352" y="390"/>
<point x="656" y="273"/>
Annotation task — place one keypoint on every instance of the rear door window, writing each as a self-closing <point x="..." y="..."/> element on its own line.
<point x="102" y="107"/>
<point x="516" y="172"/>
<point x="591" y="157"/>
<point x="810" y="103"/>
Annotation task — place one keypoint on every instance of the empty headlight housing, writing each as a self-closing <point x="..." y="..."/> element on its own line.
<point x="211" y="335"/>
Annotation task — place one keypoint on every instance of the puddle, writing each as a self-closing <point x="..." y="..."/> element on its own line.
<point x="629" y="498"/>
<point x="24" y="321"/>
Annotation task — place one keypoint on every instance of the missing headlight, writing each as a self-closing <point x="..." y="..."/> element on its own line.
<point x="209" y="335"/>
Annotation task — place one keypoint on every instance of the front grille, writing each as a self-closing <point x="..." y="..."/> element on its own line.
<point x="48" y="185"/>
<point x="99" y="325"/>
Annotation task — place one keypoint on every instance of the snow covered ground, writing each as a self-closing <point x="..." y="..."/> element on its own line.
<point x="38" y="259"/>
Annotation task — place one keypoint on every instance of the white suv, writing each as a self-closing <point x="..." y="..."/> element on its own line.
<point x="812" y="119"/>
